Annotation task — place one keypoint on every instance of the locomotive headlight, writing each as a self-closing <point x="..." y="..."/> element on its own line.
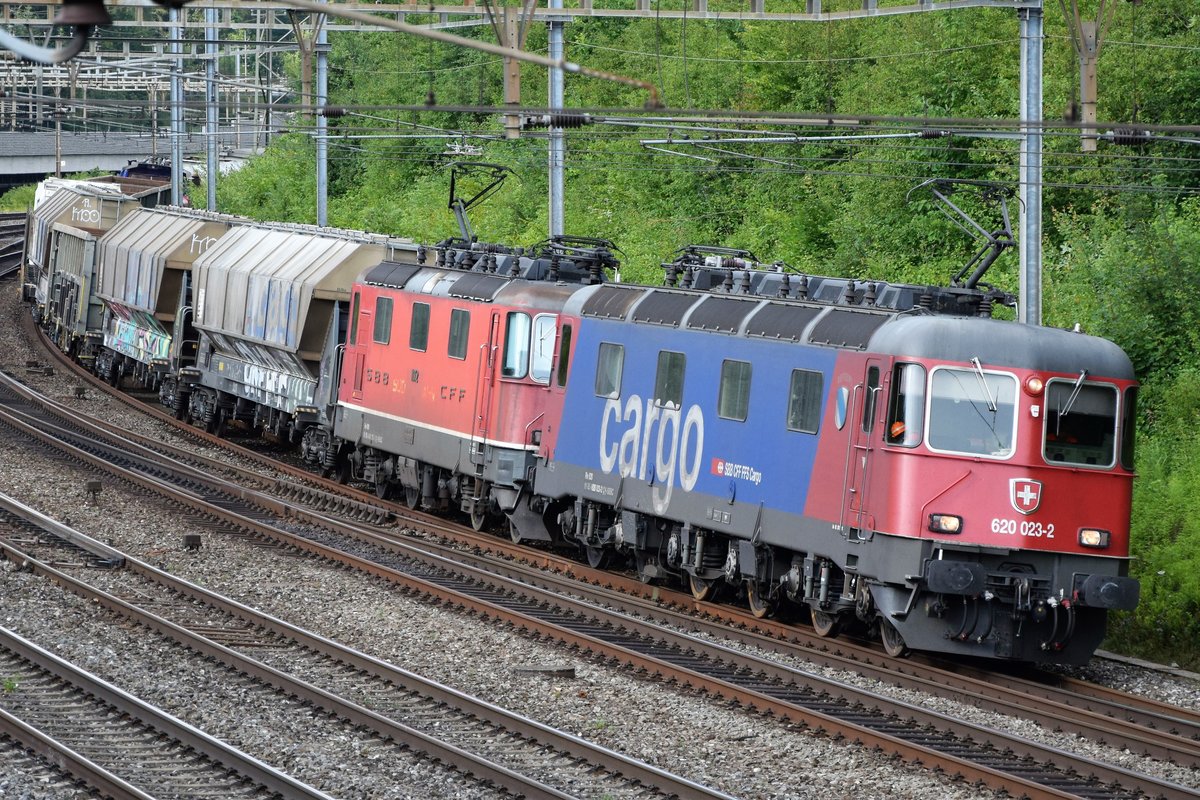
<point x="945" y="523"/>
<point x="1093" y="537"/>
<point x="1034" y="386"/>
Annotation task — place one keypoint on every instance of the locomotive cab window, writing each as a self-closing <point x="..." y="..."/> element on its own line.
<point x="516" y="345"/>
<point x="564" y="355"/>
<point x="418" y="332"/>
<point x="383" y="320"/>
<point x="906" y="405"/>
<point x="541" y="357"/>
<point x="1080" y="423"/>
<point x="668" y="381"/>
<point x="1128" y="425"/>
<point x="354" y="319"/>
<point x="869" y="401"/>
<point x="609" y="365"/>
<point x="972" y="412"/>
<point x="804" y="401"/>
<point x="460" y="324"/>
<point x="733" y="398"/>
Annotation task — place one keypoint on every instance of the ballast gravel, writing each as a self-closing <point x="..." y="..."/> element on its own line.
<point x="709" y="742"/>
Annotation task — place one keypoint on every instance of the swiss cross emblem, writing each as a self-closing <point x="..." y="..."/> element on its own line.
<point x="1025" y="494"/>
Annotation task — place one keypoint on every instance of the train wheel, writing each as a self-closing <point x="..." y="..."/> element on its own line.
<point x="598" y="557"/>
<point x="412" y="497"/>
<point x="759" y="599"/>
<point x="478" y="514"/>
<point x="701" y="589"/>
<point x="647" y="566"/>
<point x="825" y="624"/>
<point x="513" y="533"/>
<point x="893" y="642"/>
<point x="383" y="488"/>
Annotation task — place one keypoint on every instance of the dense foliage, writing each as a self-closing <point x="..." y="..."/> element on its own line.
<point x="1122" y="225"/>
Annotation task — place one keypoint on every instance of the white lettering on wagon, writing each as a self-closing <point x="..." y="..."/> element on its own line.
<point x="678" y="446"/>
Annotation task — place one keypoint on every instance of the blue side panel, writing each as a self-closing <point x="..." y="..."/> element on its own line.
<point x="691" y="451"/>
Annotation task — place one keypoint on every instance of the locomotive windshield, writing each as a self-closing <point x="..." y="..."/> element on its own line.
<point x="972" y="412"/>
<point x="1080" y="423"/>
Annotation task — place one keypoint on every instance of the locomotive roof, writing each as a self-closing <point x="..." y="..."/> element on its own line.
<point x="790" y="320"/>
<point x="1002" y="343"/>
<point x="479" y="286"/>
<point x="915" y="333"/>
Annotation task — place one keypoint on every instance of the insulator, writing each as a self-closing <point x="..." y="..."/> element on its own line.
<point x="985" y="307"/>
<point x="802" y="289"/>
<point x="746" y="282"/>
<point x="870" y="295"/>
<point x="331" y="111"/>
<point x="554" y="267"/>
<point x="1130" y="137"/>
<point x="785" y="286"/>
<point x="421" y="252"/>
<point x="689" y="276"/>
<point x="559" y="120"/>
<point x="672" y="274"/>
<point x="848" y="296"/>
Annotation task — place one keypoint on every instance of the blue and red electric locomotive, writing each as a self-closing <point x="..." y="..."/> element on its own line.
<point x="958" y="483"/>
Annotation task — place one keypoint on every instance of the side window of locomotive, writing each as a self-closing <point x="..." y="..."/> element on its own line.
<point x="906" y="406"/>
<point x="804" y="401"/>
<point x="383" y="320"/>
<point x="354" y="319"/>
<point x="545" y="326"/>
<point x="1128" y="425"/>
<point x="1080" y="423"/>
<point x="460" y="323"/>
<point x="972" y="412"/>
<point x="418" y="331"/>
<point x="870" y="399"/>
<point x="733" y="398"/>
<point x="609" y="365"/>
<point x="516" y="345"/>
<point x="668" y="381"/>
<point x="564" y="355"/>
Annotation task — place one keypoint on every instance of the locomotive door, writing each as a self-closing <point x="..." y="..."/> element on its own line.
<point x="360" y="334"/>
<point x="860" y="450"/>
<point x="484" y="384"/>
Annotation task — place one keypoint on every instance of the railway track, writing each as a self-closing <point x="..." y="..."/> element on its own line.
<point x="12" y="242"/>
<point x="497" y="748"/>
<point x="997" y="759"/>
<point x="1119" y="719"/>
<point x="116" y="744"/>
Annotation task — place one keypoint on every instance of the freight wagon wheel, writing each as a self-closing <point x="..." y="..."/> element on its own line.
<point x="825" y="624"/>
<point x="412" y="497"/>
<point x="701" y="589"/>
<point x="759" y="599"/>
<point x="893" y="642"/>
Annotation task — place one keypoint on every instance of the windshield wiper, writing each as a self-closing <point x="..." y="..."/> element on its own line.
<point x="983" y="382"/>
<point x="1083" y="373"/>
